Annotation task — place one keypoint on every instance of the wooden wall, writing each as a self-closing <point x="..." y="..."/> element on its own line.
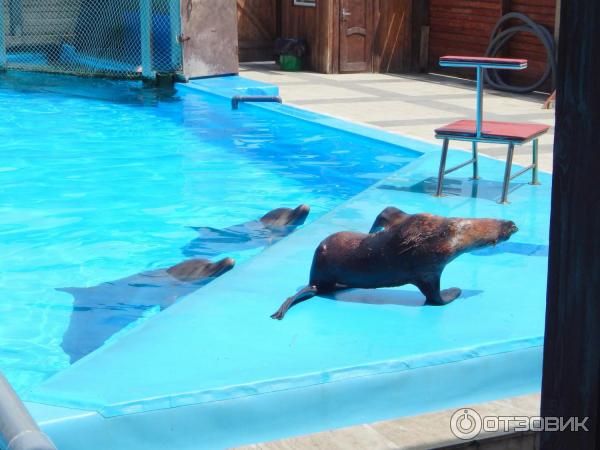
<point x="51" y="22"/>
<point x="392" y="40"/>
<point x="463" y="27"/>
<point x="527" y="45"/>
<point x="317" y="25"/>
<point x="258" y="27"/>
<point x="395" y="26"/>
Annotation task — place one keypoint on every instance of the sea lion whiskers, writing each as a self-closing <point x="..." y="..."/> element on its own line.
<point x="473" y="234"/>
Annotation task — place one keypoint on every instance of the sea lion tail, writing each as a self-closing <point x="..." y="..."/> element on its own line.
<point x="303" y="294"/>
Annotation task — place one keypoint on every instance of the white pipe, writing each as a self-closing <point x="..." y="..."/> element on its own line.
<point x="18" y="430"/>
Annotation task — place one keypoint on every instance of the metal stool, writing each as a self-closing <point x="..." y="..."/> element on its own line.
<point x="476" y="131"/>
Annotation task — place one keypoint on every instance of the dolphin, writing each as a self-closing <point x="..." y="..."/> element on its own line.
<point x="267" y="230"/>
<point x="101" y="311"/>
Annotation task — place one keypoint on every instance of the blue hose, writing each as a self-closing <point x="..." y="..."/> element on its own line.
<point x="499" y="38"/>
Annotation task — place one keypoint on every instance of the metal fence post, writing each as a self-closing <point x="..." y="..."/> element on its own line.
<point x="146" y="38"/>
<point x="175" y="28"/>
<point x="2" y="41"/>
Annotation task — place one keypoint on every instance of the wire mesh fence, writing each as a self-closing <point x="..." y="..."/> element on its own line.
<point x="119" y="38"/>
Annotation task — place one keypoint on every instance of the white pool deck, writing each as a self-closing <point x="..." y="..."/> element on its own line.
<point x="411" y="105"/>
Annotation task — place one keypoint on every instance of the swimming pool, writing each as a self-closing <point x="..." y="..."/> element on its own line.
<point x="100" y="180"/>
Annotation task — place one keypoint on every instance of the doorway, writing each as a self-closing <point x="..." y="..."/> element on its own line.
<point x="356" y="36"/>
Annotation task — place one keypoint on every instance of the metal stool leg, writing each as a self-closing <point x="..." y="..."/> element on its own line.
<point x="534" y="169"/>
<point x="475" y="162"/>
<point x="507" y="172"/>
<point x="442" y="168"/>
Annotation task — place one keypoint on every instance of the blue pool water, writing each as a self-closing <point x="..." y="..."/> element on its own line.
<point x="100" y="180"/>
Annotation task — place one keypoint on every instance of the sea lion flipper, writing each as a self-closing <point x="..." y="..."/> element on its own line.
<point x="303" y="294"/>
<point x="387" y="218"/>
<point x="431" y="290"/>
<point x="450" y="294"/>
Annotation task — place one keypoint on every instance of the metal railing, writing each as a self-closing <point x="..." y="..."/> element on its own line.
<point x="237" y="99"/>
<point x="18" y="430"/>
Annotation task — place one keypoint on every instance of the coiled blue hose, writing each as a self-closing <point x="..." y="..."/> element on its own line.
<point x="499" y="38"/>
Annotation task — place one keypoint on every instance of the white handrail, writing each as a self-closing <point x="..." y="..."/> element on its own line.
<point x="18" y="430"/>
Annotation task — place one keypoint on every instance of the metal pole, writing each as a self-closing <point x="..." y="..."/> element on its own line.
<point x="475" y="161"/>
<point x="479" y="110"/>
<point x="18" y="430"/>
<point x="146" y="37"/>
<point x="175" y="30"/>
<point x="507" y="171"/>
<point x="534" y="169"/>
<point x="2" y="31"/>
<point x="440" y="185"/>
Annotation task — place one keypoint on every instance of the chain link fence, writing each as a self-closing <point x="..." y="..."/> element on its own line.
<point x="117" y="38"/>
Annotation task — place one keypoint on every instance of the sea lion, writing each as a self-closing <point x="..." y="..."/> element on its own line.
<point x="388" y="217"/>
<point x="101" y="311"/>
<point x="392" y="216"/>
<point x="270" y="228"/>
<point x="411" y="249"/>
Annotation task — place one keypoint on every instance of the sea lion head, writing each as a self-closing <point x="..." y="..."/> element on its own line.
<point x="387" y="218"/>
<point x="285" y="217"/>
<point x="473" y="234"/>
<point x="194" y="270"/>
<point x="507" y="229"/>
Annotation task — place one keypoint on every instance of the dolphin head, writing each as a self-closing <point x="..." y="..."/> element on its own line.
<point x="195" y="270"/>
<point x="285" y="217"/>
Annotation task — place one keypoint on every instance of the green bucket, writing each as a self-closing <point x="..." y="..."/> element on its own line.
<point x="290" y="63"/>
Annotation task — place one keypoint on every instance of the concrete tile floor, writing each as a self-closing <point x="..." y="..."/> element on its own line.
<point x="427" y="431"/>
<point x="412" y="106"/>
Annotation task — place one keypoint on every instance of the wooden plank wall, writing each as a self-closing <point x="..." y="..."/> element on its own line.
<point x="463" y="27"/>
<point x="527" y="45"/>
<point x="257" y="29"/>
<point x="392" y="43"/>
<point x="393" y="49"/>
<point x="41" y="22"/>
<point x="316" y="25"/>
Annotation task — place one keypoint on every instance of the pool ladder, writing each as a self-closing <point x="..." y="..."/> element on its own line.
<point x="237" y="99"/>
<point x="18" y="430"/>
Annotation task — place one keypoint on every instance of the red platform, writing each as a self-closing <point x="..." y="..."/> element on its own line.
<point x="522" y="132"/>
<point x="483" y="60"/>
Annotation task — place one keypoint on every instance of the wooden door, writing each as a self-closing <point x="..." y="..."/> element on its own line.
<point x="356" y="35"/>
<point x="257" y="29"/>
